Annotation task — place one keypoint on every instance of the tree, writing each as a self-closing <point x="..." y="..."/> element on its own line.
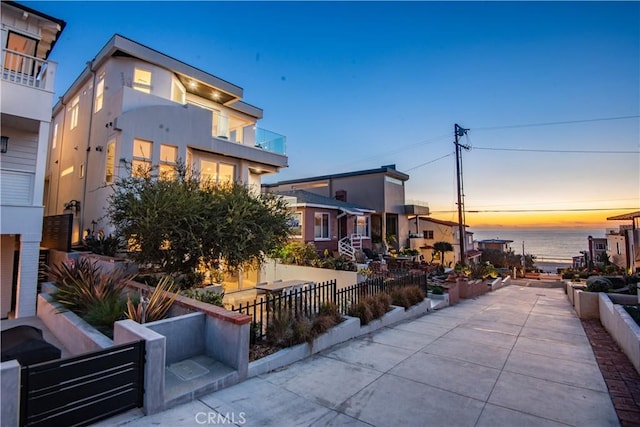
<point x="441" y="248"/>
<point x="180" y="224"/>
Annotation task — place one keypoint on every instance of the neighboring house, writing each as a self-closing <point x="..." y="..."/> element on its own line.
<point x="320" y="220"/>
<point x="495" y="244"/>
<point x="431" y="230"/>
<point x="632" y="238"/>
<point x="597" y="248"/>
<point x="26" y="87"/>
<point x="617" y="246"/>
<point x="381" y="190"/>
<point x="133" y="105"/>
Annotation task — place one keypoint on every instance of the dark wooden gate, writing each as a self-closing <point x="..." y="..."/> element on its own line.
<point x="81" y="390"/>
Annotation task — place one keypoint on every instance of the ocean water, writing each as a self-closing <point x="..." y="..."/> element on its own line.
<point x="549" y="245"/>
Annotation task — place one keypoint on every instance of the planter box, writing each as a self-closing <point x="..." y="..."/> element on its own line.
<point x="439" y="301"/>
<point x="586" y="304"/>
<point x="453" y="290"/>
<point x="346" y="330"/>
<point x="72" y="331"/>
<point x="622" y="328"/>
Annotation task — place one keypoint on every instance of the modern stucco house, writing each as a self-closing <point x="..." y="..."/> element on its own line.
<point x="623" y="246"/>
<point x="26" y="85"/>
<point x="381" y="190"/>
<point x="133" y="105"/>
<point x="427" y="231"/>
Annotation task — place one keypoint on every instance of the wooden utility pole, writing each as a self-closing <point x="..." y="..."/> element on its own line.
<point x="459" y="131"/>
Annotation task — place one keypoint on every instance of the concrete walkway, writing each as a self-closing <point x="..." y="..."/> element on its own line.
<point x="514" y="357"/>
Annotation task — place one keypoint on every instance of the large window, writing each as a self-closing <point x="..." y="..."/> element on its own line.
<point x="142" y="154"/>
<point x="99" y="93"/>
<point x="168" y="160"/>
<point x="25" y="46"/>
<point x="362" y="225"/>
<point x="178" y="93"/>
<point x="142" y="80"/>
<point x="295" y="224"/>
<point x="321" y="226"/>
<point x="74" y="108"/>
<point x="110" y="162"/>
<point x="213" y="173"/>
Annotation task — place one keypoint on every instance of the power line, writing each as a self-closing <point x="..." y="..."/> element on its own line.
<point x="566" y="122"/>
<point x="533" y="150"/>
<point x="542" y="210"/>
<point x="430" y="161"/>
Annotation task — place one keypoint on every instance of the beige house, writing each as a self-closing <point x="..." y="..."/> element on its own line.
<point x="631" y="246"/>
<point x="133" y="105"/>
<point x="427" y="231"/>
<point x="26" y="88"/>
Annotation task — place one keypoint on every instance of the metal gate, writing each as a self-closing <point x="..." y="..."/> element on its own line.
<point x="84" y="389"/>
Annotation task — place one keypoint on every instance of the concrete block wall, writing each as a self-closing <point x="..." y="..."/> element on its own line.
<point x="184" y="335"/>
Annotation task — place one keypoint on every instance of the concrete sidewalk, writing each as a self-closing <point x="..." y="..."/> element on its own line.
<point x="514" y="357"/>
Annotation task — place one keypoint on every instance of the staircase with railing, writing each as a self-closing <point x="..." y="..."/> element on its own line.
<point x="348" y="246"/>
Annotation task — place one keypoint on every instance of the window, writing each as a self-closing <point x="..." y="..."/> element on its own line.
<point x="168" y="159"/>
<point x="618" y="248"/>
<point x="55" y="137"/>
<point x="81" y="170"/>
<point x="362" y="225"/>
<point x="142" y="153"/>
<point x="600" y="247"/>
<point x="321" y="226"/>
<point x="111" y="161"/>
<point x="24" y="46"/>
<point x="74" y="110"/>
<point x="295" y="224"/>
<point x="99" y="92"/>
<point x="142" y="80"/>
<point x="178" y="93"/>
<point x="212" y="173"/>
<point x="427" y="234"/>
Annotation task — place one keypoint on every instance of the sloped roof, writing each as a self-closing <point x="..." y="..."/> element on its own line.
<point x="309" y="199"/>
<point x="630" y="215"/>
<point x="390" y="170"/>
<point x="441" y="222"/>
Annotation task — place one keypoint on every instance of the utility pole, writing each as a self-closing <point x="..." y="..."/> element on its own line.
<point x="459" y="131"/>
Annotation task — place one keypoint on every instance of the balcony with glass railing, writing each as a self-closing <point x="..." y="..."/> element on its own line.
<point x="27" y="70"/>
<point x="232" y="129"/>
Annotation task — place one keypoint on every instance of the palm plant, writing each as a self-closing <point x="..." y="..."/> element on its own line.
<point x="442" y="248"/>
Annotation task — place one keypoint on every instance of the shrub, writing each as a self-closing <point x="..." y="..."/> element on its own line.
<point x="208" y="296"/>
<point x="362" y="311"/>
<point x="280" y="331"/>
<point x="375" y="306"/>
<point x="385" y="300"/>
<point x="302" y="330"/>
<point x="323" y="323"/>
<point x="437" y="290"/>
<point x="330" y="309"/>
<point x="399" y="298"/>
<point x="598" y="284"/>
<point x="103" y="245"/>
<point x="103" y="314"/>
<point x="156" y="305"/>
<point x="415" y="295"/>
<point x="81" y="285"/>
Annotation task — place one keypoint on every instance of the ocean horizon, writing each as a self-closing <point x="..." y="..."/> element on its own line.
<point x="553" y="247"/>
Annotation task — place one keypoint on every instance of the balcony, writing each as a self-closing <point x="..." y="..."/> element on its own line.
<point x="271" y="141"/>
<point x="230" y="128"/>
<point x="27" y="70"/>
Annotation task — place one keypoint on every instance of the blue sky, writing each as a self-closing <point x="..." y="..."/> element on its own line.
<point x="357" y="85"/>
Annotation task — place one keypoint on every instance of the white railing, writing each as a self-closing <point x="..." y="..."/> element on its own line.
<point x="26" y="70"/>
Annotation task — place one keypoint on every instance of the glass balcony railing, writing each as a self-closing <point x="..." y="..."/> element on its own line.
<point x="271" y="141"/>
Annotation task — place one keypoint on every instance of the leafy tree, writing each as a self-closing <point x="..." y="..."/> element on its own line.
<point x="179" y="224"/>
<point x="442" y="248"/>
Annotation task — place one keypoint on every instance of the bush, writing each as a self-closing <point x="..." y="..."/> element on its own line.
<point x="399" y="298"/>
<point x="598" y="284"/>
<point x="437" y="290"/>
<point x="375" y="306"/>
<point x="362" y="311"/>
<point x="415" y="295"/>
<point x="103" y="245"/>
<point x="207" y="296"/>
<point x="385" y="300"/>
<point x="330" y="309"/>
<point x="156" y="305"/>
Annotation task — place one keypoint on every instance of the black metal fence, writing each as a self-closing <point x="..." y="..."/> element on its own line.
<point x="84" y="389"/>
<point x="307" y="302"/>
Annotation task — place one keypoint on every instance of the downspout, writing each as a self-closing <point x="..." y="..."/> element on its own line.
<point x="86" y="162"/>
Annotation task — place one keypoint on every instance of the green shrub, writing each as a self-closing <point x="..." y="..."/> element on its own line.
<point x="156" y="304"/>
<point x="362" y="311"/>
<point x="103" y="314"/>
<point x="208" y="296"/>
<point x="437" y="290"/>
<point x="598" y="284"/>
<point x="103" y="245"/>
